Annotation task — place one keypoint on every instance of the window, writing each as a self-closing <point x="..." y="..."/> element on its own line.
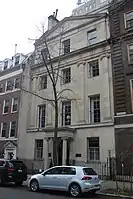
<point x="1" y="88"/>
<point x="92" y="37"/>
<point x="129" y="19"/>
<point x="3" y="129"/>
<point x="89" y="171"/>
<point x="95" y="109"/>
<point x="12" y="129"/>
<point x="43" y="82"/>
<point x="15" y="102"/>
<point x="66" y="73"/>
<point x="9" y="85"/>
<point x="5" y="106"/>
<point x="68" y="171"/>
<point x="38" y="149"/>
<point x="5" y="65"/>
<point x="94" y="68"/>
<point x="17" y="83"/>
<point x="66" y="46"/>
<point x="17" y="60"/>
<point x="45" y="54"/>
<point x="93" y="151"/>
<point x="42" y="113"/>
<point x="130" y="54"/>
<point x="54" y="171"/>
<point x="2" y="163"/>
<point x="66" y="113"/>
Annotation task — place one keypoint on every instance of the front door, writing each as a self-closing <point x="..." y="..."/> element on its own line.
<point x="50" y="179"/>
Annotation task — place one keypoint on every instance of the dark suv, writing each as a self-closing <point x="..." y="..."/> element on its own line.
<point x="12" y="171"/>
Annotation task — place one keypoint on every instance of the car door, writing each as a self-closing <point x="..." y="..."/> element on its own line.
<point x="50" y="178"/>
<point x="66" y="176"/>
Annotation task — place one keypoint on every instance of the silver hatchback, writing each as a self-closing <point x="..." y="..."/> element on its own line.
<point x="73" y="179"/>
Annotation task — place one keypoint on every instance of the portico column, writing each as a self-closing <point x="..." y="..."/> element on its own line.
<point x="46" y="142"/>
<point x="64" y="151"/>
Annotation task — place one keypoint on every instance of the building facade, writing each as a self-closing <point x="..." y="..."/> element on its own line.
<point x="86" y="132"/>
<point x="121" y="27"/>
<point x="10" y="76"/>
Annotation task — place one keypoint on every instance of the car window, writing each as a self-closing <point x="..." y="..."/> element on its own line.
<point x="89" y="171"/>
<point x="2" y="163"/>
<point x="17" y="164"/>
<point x="68" y="171"/>
<point x="10" y="165"/>
<point x="54" y="171"/>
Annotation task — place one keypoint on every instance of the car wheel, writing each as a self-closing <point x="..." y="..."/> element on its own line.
<point x="19" y="183"/>
<point x="74" y="190"/>
<point x="34" y="186"/>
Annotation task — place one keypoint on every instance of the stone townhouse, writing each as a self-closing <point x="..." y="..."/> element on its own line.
<point x="86" y="131"/>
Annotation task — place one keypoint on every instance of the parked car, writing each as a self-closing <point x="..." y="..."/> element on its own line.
<point x="73" y="179"/>
<point x="12" y="171"/>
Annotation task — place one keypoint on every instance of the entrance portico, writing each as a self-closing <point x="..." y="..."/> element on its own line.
<point x="65" y="140"/>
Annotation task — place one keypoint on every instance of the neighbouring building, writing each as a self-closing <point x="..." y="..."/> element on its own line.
<point x="10" y="76"/>
<point x="86" y="131"/>
<point x="121" y="27"/>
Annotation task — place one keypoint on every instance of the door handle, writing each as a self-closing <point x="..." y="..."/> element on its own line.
<point x="54" y="177"/>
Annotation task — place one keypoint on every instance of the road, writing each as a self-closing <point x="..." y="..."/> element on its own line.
<point x="12" y="192"/>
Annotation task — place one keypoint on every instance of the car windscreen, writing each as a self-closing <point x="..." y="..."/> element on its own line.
<point x="89" y="171"/>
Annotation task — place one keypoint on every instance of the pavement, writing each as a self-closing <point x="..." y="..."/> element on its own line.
<point x="13" y="192"/>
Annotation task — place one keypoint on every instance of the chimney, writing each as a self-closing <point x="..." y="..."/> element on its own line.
<point x="52" y="20"/>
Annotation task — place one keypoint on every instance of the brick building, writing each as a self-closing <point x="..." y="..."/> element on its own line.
<point x="10" y="78"/>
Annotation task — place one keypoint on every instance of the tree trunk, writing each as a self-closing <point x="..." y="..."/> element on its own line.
<point x="55" y="152"/>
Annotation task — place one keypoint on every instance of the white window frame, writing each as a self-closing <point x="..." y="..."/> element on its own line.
<point x="10" y="129"/>
<point x="128" y="47"/>
<point x="91" y="39"/>
<point x="13" y="104"/>
<point x="88" y="150"/>
<point x="90" y="72"/>
<point x="125" y="21"/>
<point x="1" y="130"/>
<point x="4" y="107"/>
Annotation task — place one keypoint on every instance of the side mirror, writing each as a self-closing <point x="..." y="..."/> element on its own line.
<point x="43" y="174"/>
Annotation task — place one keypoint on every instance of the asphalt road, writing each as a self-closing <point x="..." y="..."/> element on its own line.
<point x="12" y="192"/>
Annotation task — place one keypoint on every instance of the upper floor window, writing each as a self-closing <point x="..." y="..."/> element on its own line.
<point x="5" y="106"/>
<point x="43" y="82"/>
<point x="93" y="148"/>
<point x="17" y="60"/>
<point x="45" y="54"/>
<point x="9" y="85"/>
<point x="66" y="113"/>
<point x="15" y="103"/>
<point x="66" y="75"/>
<point x="13" y="126"/>
<point x="17" y="83"/>
<point x="95" y="109"/>
<point x="93" y="68"/>
<point x="5" y="65"/>
<point x="92" y="36"/>
<point x="130" y="54"/>
<point x="1" y="88"/>
<point x="3" y="129"/>
<point x="38" y="149"/>
<point x="129" y="19"/>
<point x="42" y="115"/>
<point x="66" y="46"/>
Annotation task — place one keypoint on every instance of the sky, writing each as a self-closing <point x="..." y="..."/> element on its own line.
<point x="22" y="19"/>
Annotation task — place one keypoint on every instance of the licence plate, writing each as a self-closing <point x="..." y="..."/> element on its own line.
<point x="19" y="170"/>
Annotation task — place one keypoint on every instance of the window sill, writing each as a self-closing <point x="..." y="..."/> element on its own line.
<point x="4" y="113"/>
<point x="14" y="112"/>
